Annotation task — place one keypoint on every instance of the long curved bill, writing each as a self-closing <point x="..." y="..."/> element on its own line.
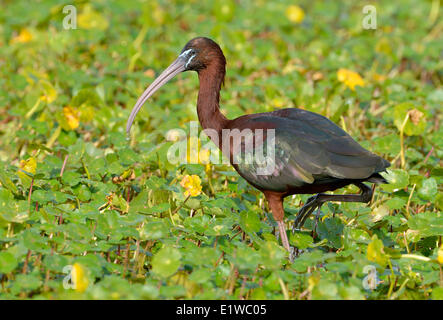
<point x="176" y="67"/>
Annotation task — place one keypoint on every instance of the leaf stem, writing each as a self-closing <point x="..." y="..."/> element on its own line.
<point x="402" y="146"/>
<point x="416" y="257"/>
<point x="283" y="288"/>
<point x="64" y="165"/>
<point x="54" y="137"/>
<point x="392" y="280"/>
<point x="33" y="109"/>
<point x="409" y="201"/>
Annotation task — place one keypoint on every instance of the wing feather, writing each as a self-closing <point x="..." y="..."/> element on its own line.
<point x="309" y="149"/>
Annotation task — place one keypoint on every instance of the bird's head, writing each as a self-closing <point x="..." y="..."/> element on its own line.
<point x="197" y="55"/>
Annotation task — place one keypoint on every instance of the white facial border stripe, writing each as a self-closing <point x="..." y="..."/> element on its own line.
<point x="185" y="53"/>
<point x="189" y="60"/>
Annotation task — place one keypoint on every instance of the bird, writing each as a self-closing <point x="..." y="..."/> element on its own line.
<point x="310" y="153"/>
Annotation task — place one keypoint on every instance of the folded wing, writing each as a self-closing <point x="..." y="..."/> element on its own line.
<point x="305" y="148"/>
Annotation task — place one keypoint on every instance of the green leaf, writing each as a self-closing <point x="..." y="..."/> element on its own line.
<point x="6" y="181"/>
<point x="416" y="124"/>
<point x="439" y="201"/>
<point x="71" y="178"/>
<point x="192" y="203"/>
<point x="42" y="196"/>
<point x="250" y="221"/>
<point x="83" y="193"/>
<point x="379" y="212"/>
<point x="397" y="179"/>
<point x="199" y="256"/>
<point x="271" y="255"/>
<point x="55" y="262"/>
<point x="375" y="252"/>
<point x="34" y="241"/>
<point x="428" y="189"/>
<point x="395" y="203"/>
<point x="26" y="282"/>
<point x="308" y="259"/>
<point x="201" y="275"/>
<point x="166" y="262"/>
<point x="332" y="230"/>
<point x="7" y="262"/>
<point x="300" y="240"/>
<point x="246" y="258"/>
<point x="13" y="210"/>
<point x="86" y="97"/>
<point x="153" y="230"/>
<point x="437" y="293"/>
<point x="325" y="289"/>
<point x="427" y="223"/>
<point x="219" y="227"/>
<point x="197" y="223"/>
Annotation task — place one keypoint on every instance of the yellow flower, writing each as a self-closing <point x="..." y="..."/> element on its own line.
<point x="295" y="14"/>
<point x="79" y="277"/>
<point x="23" y="37"/>
<point x="27" y="166"/>
<point x="440" y="254"/>
<point x="192" y="184"/>
<point x="350" y="78"/>
<point x="71" y="117"/>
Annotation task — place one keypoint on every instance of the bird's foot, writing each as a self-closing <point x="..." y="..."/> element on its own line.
<point x="292" y="254"/>
<point x="317" y="217"/>
<point x="309" y="207"/>
<point x="293" y="251"/>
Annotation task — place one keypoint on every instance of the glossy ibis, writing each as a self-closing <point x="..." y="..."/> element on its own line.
<point x="311" y="154"/>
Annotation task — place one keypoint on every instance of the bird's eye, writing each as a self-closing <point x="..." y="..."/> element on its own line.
<point x="191" y="52"/>
<point x="191" y="56"/>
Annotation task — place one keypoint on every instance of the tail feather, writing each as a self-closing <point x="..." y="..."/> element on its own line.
<point x="377" y="178"/>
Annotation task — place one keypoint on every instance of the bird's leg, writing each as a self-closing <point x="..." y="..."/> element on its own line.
<point x="316" y="201"/>
<point x="317" y="216"/>
<point x="284" y="236"/>
<point x="276" y="205"/>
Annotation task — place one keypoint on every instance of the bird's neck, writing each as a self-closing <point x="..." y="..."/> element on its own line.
<point x="208" y="109"/>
